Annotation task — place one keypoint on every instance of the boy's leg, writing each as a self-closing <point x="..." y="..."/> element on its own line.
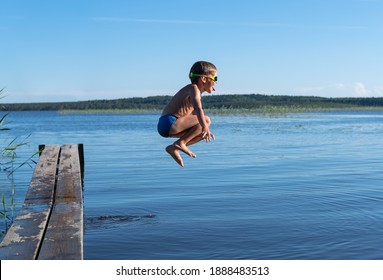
<point x="189" y="131"/>
<point x="182" y="124"/>
<point x="186" y="138"/>
<point x="179" y="145"/>
<point x="172" y="150"/>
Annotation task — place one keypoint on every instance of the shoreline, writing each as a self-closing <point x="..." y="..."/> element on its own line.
<point x="231" y="111"/>
<point x="222" y="104"/>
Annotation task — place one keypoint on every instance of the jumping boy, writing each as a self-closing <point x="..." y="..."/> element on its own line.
<point x="184" y="117"/>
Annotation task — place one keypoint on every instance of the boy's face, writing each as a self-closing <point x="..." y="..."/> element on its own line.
<point x="210" y="82"/>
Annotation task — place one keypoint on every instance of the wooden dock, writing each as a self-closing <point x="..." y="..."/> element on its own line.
<point x="50" y="223"/>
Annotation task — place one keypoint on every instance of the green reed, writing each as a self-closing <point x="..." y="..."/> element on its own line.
<point x="8" y="166"/>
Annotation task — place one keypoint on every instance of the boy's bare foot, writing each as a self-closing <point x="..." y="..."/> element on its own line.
<point x="184" y="148"/>
<point x="173" y="151"/>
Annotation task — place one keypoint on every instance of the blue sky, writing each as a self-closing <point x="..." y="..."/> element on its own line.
<point x="69" y="50"/>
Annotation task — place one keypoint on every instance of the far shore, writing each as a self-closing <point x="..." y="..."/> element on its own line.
<point x="215" y="104"/>
<point x="229" y="111"/>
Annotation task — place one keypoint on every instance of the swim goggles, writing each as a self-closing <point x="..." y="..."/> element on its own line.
<point x="214" y="78"/>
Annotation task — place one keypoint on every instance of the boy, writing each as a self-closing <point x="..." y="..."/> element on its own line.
<point x="184" y="117"/>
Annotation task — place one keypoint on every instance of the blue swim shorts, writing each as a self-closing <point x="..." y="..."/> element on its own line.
<point x="165" y="123"/>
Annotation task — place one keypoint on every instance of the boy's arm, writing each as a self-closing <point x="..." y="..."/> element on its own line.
<point x="195" y="97"/>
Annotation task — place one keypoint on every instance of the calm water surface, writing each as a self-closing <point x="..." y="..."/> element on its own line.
<point x="299" y="186"/>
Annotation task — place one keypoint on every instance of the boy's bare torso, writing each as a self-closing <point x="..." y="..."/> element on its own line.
<point x="181" y="105"/>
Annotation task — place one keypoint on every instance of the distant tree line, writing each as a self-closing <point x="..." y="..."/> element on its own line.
<point x="253" y="101"/>
<point x="234" y="101"/>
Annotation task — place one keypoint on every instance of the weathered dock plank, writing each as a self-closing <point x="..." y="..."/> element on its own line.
<point x="23" y="238"/>
<point x="50" y="222"/>
<point x="64" y="235"/>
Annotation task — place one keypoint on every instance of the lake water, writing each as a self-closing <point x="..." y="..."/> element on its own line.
<point x="297" y="186"/>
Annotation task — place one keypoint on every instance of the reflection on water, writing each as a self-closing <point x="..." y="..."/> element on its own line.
<point x="299" y="186"/>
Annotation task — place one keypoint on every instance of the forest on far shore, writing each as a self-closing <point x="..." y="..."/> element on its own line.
<point x="247" y="102"/>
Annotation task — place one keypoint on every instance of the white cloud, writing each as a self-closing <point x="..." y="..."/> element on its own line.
<point x="340" y="86"/>
<point x="182" y="21"/>
<point x="361" y="90"/>
<point x="145" y="20"/>
<point x="357" y="89"/>
<point x="235" y="23"/>
<point x="378" y="91"/>
<point x="308" y="90"/>
<point x="322" y="90"/>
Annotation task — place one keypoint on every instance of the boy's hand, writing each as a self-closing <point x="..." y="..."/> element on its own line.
<point x="207" y="135"/>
